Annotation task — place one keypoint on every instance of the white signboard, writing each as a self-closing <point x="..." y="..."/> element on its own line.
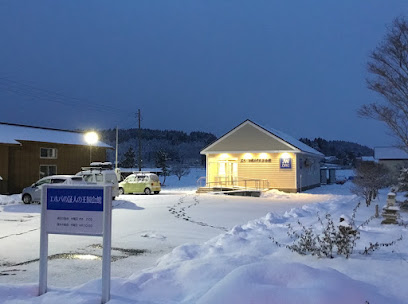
<point x="76" y="210"/>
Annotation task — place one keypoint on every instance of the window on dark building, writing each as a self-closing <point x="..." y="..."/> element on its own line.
<point x="47" y="170"/>
<point x="48" y="153"/>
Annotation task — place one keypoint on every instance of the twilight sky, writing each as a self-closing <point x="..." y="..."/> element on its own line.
<point x="296" y="66"/>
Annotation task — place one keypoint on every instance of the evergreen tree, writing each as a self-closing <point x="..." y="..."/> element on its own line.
<point x="403" y="180"/>
<point x="129" y="161"/>
<point x="161" y="162"/>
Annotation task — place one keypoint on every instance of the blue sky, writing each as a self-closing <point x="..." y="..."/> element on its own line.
<point x="296" y="66"/>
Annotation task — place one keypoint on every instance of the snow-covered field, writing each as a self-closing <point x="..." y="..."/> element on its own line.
<point x="180" y="247"/>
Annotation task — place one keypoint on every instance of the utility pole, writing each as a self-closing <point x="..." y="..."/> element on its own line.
<point x="140" y="142"/>
<point x="116" y="152"/>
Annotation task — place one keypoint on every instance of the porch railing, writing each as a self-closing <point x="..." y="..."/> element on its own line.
<point x="234" y="183"/>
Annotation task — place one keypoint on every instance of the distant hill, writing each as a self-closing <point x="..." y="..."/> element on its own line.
<point x="346" y="152"/>
<point x="180" y="146"/>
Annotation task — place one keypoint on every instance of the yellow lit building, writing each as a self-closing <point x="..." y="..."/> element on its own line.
<point x="250" y="156"/>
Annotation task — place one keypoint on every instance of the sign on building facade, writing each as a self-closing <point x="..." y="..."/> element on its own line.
<point x="285" y="163"/>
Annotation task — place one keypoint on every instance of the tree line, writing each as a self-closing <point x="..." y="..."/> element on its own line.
<point x="345" y="152"/>
<point x="178" y="147"/>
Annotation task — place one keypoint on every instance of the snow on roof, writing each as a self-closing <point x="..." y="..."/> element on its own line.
<point x="12" y="134"/>
<point x="292" y="141"/>
<point x="368" y="158"/>
<point x="389" y="153"/>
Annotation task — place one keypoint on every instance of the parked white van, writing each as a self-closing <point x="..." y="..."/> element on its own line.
<point x="101" y="173"/>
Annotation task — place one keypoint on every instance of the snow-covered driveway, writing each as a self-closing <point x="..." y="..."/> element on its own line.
<point x="144" y="229"/>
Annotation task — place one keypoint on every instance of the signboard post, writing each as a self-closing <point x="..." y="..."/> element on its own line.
<point x="76" y="210"/>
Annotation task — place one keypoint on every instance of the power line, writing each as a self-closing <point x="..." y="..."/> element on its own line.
<point x="41" y="94"/>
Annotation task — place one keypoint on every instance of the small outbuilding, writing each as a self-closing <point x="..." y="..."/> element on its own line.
<point x="393" y="158"/>
<point x="251" y="156"/>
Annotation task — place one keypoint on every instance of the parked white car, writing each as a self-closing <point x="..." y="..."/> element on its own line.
<point x="33" y="193"/>
<point x="101" y="174"/>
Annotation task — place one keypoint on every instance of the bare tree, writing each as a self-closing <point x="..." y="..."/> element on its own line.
<point x="370" y="177"/>
<point x="180" y="170"/>
<point x="388" y="68"/>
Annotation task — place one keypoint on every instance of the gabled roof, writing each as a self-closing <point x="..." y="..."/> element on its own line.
<point x="13" y="134"/>
<point x="284" y="141"/>
<point x="393" y="153"/>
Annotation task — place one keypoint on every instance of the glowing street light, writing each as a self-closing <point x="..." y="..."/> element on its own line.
<point x="91" y="139"/>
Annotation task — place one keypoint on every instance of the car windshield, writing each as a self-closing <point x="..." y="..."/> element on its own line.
<point x="57" y="180"/>
<point x="42" y="182"/>
<point x="77" y="179"/>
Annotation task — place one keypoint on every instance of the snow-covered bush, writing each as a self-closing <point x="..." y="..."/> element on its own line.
<point x="324" y="241"/>
<point x="330" y="238"/>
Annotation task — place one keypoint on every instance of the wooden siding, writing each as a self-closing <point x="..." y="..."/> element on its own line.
<point x="283" y="179"/>
<point x="248" y="138"/>
<point x="24" y="162"/>
<point x="4" y="163"/>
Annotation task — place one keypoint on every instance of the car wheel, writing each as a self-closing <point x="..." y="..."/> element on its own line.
<point x="27" y="199"/>
<point x="156" y="192"/>
<point x="121" y="191"/>
<point x="147" y="191"/>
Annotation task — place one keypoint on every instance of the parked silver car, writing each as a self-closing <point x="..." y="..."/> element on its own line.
<point x="33" y="193"/>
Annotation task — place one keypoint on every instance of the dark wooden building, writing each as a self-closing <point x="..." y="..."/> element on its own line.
<point x="29" y="153"/>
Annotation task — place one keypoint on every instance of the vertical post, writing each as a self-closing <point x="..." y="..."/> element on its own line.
<point x="140" y="143"/>
<point x="117" y="144"/>
<point x="43" y="244"/>
<point x="300" y="188"/>
<point x="107" y="233"/>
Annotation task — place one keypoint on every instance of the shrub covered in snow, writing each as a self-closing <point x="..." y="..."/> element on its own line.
<point x="330" y="237"/>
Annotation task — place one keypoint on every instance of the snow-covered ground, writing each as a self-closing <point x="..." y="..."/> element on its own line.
<point x="180" y="247"/>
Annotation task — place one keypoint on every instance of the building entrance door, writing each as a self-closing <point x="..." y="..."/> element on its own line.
<point x="228" y="173"/>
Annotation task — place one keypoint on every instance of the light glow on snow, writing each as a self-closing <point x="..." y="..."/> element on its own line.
<point x="207" y="249"/>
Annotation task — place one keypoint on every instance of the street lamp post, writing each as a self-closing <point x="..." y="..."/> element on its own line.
<point x="91" y="138"/>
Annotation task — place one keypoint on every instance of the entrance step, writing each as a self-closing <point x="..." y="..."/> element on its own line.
<point x="230" y="191"/>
